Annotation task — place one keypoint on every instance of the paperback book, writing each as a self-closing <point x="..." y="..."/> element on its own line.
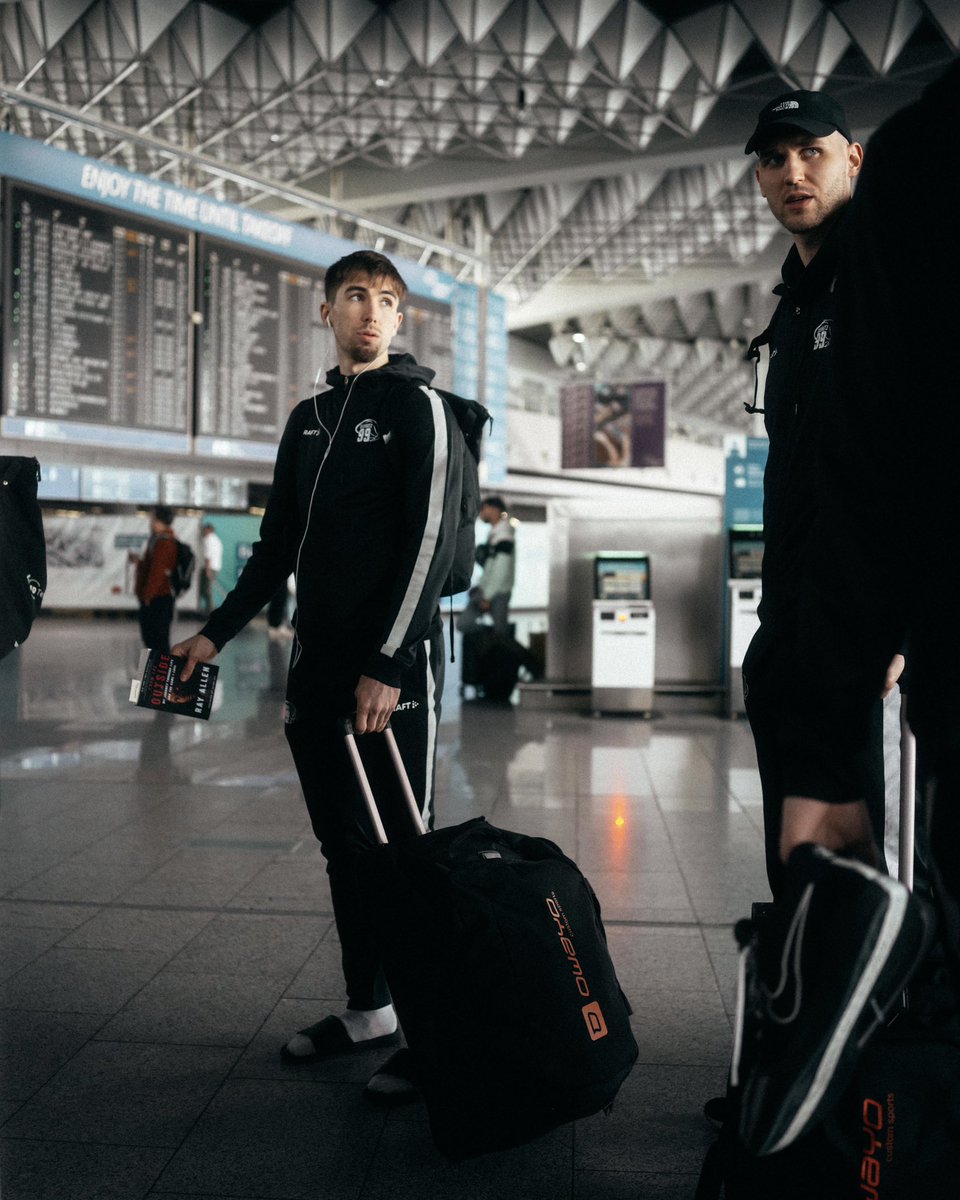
<point x="161" y="686"/>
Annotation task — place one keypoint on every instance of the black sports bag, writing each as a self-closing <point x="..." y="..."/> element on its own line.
<point x="497" y="961"/>
<point x="23" y="552"/>
<point x="898" y="1125"/>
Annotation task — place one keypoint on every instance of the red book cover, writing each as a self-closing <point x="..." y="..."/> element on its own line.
<point x="161" y="687"/>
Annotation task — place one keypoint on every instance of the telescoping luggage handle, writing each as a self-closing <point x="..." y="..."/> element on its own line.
<point x="368" y="796"/>
<point x="908" y="788"/>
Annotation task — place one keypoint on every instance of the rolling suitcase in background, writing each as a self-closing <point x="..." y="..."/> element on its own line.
<point x="491" y="663"/>
<point x="895" y="1132"/>
<point x="497" y="961"/>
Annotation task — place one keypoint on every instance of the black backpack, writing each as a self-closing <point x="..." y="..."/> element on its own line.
<point x="23" y="550"/>
<point x="893" y="1135"/>
<point x="898" y="1124"/>
<point x="182" y="574"/>
<point x="470" y="417"/>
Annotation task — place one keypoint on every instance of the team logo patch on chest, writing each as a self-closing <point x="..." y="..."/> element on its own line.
<point x="822" y="335"/>
<point x="367" y="431"/>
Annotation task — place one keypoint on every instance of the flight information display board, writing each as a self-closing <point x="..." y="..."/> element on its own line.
<point x="119" y="485"/>
<point x="97" y="325"/>
<point x="261" y="346"/>
<point x="427" y="334"/>
<point x="203" y="491"/>
<point x="122" y="332"/>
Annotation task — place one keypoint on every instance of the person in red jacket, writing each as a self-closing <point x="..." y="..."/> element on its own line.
<point x="153" y="580"/>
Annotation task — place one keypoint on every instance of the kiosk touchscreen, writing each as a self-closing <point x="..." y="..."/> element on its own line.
<point x="624" y="634"/>
<point x="745" y="560"/>
<point x="621" y="577"/>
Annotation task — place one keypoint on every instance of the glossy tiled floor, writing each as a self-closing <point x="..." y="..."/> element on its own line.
<point x="165" y="924"/>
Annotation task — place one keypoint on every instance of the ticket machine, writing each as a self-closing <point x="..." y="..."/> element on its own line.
<point x="744" y="559"/>
<point x="624" y="634"/>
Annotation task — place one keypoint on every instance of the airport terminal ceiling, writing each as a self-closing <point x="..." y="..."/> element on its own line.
<point x="588" y="153"/>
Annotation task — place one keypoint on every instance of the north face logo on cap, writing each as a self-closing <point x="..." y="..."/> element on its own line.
<point x="786" y="104"/>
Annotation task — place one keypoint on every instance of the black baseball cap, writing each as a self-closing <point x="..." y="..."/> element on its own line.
<point x="813" y="112"/>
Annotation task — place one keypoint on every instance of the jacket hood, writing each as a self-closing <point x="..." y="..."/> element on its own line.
<point x="398" y="366"/>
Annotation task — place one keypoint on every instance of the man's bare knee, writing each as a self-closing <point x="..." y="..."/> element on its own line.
<point x="838" y="827"/>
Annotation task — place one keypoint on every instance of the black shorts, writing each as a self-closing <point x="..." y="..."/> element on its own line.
<point x="818" y="730"/>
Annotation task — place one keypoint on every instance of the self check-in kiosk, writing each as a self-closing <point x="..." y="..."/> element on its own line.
<point x="624" y="634"/>
<point x="744" y="559"/>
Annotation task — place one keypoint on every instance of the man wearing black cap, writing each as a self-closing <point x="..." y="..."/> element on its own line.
<point x="843" y="937"/>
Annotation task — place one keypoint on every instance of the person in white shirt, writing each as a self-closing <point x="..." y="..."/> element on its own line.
<point x="211" y="549"/>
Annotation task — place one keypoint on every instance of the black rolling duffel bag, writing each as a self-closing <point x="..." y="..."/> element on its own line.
<point x="497" y="961"/>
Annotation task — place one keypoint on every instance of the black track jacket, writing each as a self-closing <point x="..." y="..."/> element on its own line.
<point x="801" y="388"/>
<point x="823" y="589"/>
<point x="363" y="510"/>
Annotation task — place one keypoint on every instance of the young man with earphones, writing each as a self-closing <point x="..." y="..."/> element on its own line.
<point x="363" y="510"/>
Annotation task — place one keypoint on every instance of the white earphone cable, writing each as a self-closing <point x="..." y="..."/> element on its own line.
<point x="296" y="570"/>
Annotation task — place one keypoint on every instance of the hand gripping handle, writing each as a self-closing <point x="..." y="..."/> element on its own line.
<point x="368" y="796"/>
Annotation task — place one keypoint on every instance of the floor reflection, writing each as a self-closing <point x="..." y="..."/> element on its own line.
<point x="165" y="918"/>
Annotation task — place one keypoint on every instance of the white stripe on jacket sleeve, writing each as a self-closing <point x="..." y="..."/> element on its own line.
<point x="431" y="529"/>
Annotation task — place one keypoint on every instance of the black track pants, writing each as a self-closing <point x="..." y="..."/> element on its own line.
<point x="318" y="697"/>
<point x="155" y="621"/>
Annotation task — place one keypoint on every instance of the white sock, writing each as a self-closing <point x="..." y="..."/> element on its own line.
<point x="363" y="1024"/>
<point x="360" y="1027"/>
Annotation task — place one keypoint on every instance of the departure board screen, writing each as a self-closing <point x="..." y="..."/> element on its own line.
<point x="262" y="343"/>
<point x="97" y="326"/>
<point x="427" y="334"/>
<point x="203" y="491"/>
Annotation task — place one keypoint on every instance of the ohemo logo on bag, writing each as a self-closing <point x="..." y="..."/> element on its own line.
<point x="877" y="1139"/>
<point x="596" y="1025"/>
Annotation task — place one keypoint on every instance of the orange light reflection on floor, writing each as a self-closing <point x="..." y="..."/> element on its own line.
<point x="618" y="842"/>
